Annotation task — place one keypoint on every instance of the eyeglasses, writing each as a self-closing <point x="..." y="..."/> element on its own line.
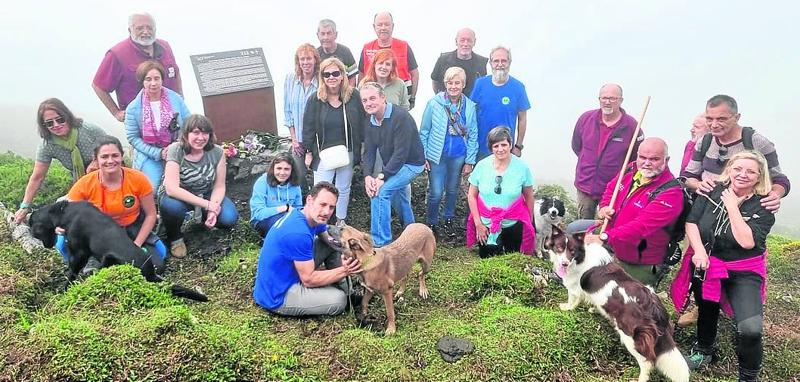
<point x="52" y="122"/>
<point x="334" y="74"/>
<point x="609" y="99"/>
<point x="497" y="180"/>
<point x="723" y="155"/>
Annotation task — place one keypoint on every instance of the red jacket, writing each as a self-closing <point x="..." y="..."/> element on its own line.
<point x="637" y="231"/>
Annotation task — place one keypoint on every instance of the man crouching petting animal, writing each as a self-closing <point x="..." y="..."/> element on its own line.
<point x="289" y="280"/>
<point x="383" y="267"/>
<point x="632" y="308"/>
<point x="648" y="203"/>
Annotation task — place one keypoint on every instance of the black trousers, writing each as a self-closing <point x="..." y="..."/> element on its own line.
<point x="743" y="290"/>
<point x="510" y="240"/>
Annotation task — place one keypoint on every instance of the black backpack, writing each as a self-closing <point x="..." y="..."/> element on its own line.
<point x="747" y="140"/>
<point x="677" y="230"/>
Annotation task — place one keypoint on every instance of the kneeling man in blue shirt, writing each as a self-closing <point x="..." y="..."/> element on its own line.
<point x="289" y="279"/>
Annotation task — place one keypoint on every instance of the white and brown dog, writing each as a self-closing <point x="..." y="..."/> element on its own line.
<point x="591" y="275"/>
<point x="547" y="212"/>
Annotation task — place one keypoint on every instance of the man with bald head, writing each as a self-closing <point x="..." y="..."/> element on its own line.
<point x="600" y="140"/>
<point x="474" y="65"/>
<point x="648" y="204"/>
<point x="117" y="72"/>
<point x="383" y="23"/>
<point x="698" y="130"/>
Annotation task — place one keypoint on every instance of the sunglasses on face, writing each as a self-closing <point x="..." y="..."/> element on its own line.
<point x="497" y="180"/>
<point x="52" y="122"/>
<point x="334" y="74"/>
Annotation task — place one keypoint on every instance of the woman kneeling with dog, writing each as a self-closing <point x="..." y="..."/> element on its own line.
<point x="728" y="230"/>
<point x="501" y="200"/>
<point x="194" y="179"/>
<point x="122" y="193"/>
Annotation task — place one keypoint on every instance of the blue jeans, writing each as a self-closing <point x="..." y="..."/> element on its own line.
<point x="381" y="205"/>
<point x="153" y="169"/>
<point x="444" y="176"/>
<point x="173" y="212"/>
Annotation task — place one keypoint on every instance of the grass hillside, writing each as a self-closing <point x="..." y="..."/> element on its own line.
<point x="116" y="326"/>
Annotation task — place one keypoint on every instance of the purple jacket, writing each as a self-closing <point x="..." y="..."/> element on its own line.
<point x="596" y="167"/>
<point x="637" y="230"/>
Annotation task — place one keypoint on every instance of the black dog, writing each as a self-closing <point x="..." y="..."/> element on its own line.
<point x="91" y="233"/>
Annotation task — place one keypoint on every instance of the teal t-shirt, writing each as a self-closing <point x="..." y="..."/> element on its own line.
<point x="515" y="177"/>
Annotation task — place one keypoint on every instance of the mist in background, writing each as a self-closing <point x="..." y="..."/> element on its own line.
<point x="680" y="53"/>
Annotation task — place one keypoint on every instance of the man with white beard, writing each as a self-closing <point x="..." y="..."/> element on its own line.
<point x="600" y="140"/>
<point x="117" y="72"/>
<point x="648" y="204"/>
<point x="502" y="101"/>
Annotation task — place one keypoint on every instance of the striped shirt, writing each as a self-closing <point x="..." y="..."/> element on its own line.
<point x="708" y="167"/>
<point x="295" y="97"/>
<point x="196" y="177"/>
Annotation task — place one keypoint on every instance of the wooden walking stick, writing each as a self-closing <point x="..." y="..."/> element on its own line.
<point x="625" y="162"/>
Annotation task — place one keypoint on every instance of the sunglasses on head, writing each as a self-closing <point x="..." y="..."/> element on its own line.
<point x="497" y="180"/>
<point x="52" y="122"/>
<point x="333" y="74"/>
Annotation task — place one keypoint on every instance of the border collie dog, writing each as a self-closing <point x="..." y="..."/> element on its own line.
<point x="591" y="275"/>
<point x="547" y="213"/>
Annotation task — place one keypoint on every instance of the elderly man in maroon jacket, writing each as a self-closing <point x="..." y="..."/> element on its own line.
<point x="600" y="140"/>
<point x="648" y="204"/>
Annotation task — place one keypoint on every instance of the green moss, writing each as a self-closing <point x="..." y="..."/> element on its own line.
<point x="14" y="173"/>
<point x="501" y="275"/>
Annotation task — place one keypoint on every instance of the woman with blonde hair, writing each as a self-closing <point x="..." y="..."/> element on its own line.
<point x="449" y="134"/>
<point x="727" y="228"/>
<point x="334" y="117"/>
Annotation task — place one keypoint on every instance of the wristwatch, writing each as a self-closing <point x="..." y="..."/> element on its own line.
<point x="519" y="146"/>
<point x="381" y="176"/>
<point x="604" y="237"/>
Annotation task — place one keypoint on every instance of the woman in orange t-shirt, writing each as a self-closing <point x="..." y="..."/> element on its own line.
<point x="124" y="194"/>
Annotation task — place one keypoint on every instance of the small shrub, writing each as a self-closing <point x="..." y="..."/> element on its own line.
<point x="502" y="275"/>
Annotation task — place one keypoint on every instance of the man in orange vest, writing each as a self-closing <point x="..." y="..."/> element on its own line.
<point x="406" y="63"/>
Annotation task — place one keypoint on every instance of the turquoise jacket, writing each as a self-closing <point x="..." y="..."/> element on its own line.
<point x="133" y="125"/>
<point x="434" y="127"/>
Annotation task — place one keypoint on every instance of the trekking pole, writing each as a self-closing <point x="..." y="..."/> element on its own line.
<point x="625" y="162"/>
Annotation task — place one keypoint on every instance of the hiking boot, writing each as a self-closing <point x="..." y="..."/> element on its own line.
<point x="92" y="265"/>
<point x="699" y="359"/>
<point x="748" y="375"/>
<point x="689" y="317"/>
<point x="178" y="249"/>
<point x="435" y="230"/>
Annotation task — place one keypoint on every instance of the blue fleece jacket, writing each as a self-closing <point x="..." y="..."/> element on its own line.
<point x="434" y="128"/>
<point x="266" y="199"/>
<point x="133" y="125"/>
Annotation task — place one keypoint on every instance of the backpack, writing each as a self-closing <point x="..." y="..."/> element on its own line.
<point x="747" y="140"/>
<point x="677" y="230"/>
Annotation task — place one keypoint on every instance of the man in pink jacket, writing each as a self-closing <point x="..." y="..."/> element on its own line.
<point x="639" y="224"/>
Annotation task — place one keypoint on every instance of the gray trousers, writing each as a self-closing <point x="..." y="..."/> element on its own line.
<point x="587" y="206"/>
<point x="328" y="300"/>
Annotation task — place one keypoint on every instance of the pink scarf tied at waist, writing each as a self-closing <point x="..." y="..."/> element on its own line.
<point x="716" y="272"/>
<point x="155" y="131"/>
<point x="516" y="211"/>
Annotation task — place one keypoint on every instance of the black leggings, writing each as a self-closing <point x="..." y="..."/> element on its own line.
<point x="510" y="240"/>
<point x="743" y="290"/>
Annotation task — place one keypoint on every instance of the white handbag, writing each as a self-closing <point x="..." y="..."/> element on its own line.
<point x="335" y="156"/>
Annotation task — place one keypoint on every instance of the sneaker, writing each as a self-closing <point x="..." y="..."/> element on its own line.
<point x="697" y="359"/>
<point x="689" y="317"/>
<point x="178" y="249"/>
<point x="448" y="223"/>
<point x="435" y="230"/>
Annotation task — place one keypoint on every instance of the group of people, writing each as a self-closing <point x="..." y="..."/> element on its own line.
<point x="177" y="165"/>
<point x="732" y="175"/>
<point x="341" y="114"/>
